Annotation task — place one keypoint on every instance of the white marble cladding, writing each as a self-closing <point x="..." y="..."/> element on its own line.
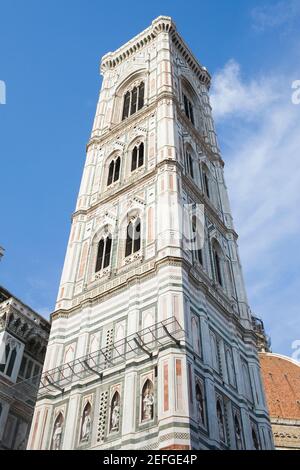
<point x="206" y="394"/>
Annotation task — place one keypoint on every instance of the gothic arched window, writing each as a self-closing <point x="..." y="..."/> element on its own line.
<point x="103" y="254"/>
<point x="133" y="100"/>
<point x="137" y="157"/>
<point x="133" y="238"/>
<point x="147" y="404"/>
<point x="114" y="424"/>
<point x="114" y="171"/>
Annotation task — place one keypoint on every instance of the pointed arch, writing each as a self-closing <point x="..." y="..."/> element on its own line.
<point x="133" y="100"/>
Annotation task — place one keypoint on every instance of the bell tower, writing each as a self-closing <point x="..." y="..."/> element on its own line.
<point x="152" y="343"/>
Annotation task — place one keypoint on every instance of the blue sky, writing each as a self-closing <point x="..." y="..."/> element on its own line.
<point x="49" y="60"/>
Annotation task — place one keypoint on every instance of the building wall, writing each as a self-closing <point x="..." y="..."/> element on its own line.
<point x="23" y="339"/>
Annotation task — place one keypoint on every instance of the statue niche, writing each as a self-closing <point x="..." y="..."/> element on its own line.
<point x="57" y="432"/>
<point x="86" y="423"/>
<point x="200" y="404"/>
<point x="115" y="413"/>
<point x="147" y="401"/>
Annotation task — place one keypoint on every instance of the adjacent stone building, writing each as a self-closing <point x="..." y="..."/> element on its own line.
<point x="152" y="343"/>
<point x="23" y="340"/>
<point x="281" y="377"/>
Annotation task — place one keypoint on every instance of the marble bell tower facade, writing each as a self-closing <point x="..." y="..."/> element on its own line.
<point x="152" y="343"/>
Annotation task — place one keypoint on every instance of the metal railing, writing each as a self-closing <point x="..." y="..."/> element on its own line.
<point x="136" y="346"/>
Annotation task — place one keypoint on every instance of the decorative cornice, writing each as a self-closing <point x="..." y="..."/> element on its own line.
<point x="218" y="298"/>
<point x="162" y="24"/>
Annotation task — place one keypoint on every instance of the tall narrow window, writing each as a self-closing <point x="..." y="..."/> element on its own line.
<point x="186" y="105"/>
<point x="190" y="164"/>
<point x="11" y="363"/>
<point x="141" y="96"/>
<point x="137" y="237"/>
<point x="133" y="100"/>
<point x="141" y="155"/>
<point x="218" y="268"/>
<point x="126" y="105"/>
<point x="104" y="252"/>
<point x="7" y="351"/>
<point x="137" y="158"/>
<point x="197" y="242"/>
<point x="188" y="109"/>
<point x="191" y="112"/>
<point x="206" y="184"/>
<point x="100" y="255"/>
<point x="117" y="169"/>
<point x="114" y="171"/>
<point x="133" y="239"/>
<point x="111" y="173"/>
<point x="134" y="159"/>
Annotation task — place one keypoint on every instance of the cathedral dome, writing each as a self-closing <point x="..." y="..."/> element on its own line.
<point x="281" y="377"/>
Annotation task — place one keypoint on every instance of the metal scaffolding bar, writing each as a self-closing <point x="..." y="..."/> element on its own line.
<point x="145" y="341"/>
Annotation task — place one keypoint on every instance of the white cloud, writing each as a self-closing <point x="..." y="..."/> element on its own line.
<point x="262" y="156"/>
<point x="231" y="96"/>
<point x="282" y="13"/>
